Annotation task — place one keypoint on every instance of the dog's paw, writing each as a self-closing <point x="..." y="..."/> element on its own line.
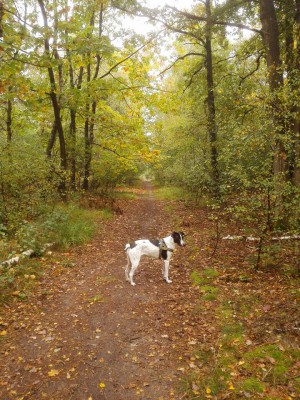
<point x="132" y="283"/>
<point x="168" y="280"/>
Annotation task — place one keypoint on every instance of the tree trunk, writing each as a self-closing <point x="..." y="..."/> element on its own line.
<point x="72" y="127"/>
<point x="296" y="172"/>
<point x="9" y="121"/>
<point x="87" y="144"/>
<point x="1" y="18"/>
<point x="56" y="106"/>
<point x="51" y="141"/>
<point x="72" y="132"/>
<point x="212" y="126"/>
<point x="270" y="34"/>
<point x="91" y="109"/>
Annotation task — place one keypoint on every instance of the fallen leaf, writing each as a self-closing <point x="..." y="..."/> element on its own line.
<point x="53" y="372"/>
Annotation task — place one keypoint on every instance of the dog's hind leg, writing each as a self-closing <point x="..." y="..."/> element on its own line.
<point x="134" y="264"/>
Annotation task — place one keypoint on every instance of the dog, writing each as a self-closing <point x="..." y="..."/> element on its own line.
<point x="162" y="248"/>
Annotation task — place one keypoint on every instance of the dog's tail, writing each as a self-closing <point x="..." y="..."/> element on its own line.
<point x="127" y="246"/>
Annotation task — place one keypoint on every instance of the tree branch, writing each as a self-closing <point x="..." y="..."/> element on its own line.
<point x="180" y="59"/>
<point x="214" y="21"/>
<point x="130" y="55"/>
<point x="110" y="150"/>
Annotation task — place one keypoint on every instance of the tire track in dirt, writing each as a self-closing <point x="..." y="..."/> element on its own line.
<point x="87" y="334"/>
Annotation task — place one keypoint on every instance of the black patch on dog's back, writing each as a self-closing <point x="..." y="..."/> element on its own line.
<point x="155" y="242"/>
<point x="132" y="245"/>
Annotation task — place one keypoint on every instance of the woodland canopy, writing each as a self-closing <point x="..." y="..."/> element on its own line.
<point x="207" y="99"/>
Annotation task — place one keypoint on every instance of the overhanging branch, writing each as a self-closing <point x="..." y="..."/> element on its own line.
<point x="180" y="59"/>
<point x="215" y="21"/>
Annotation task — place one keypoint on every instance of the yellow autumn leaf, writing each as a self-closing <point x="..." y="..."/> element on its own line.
<point x="230" y="386"/>
<point x="53" y="372"/>
<point x="3" y="333"/>
<point x="208" y="390"/>
<point x="101" y="385"/>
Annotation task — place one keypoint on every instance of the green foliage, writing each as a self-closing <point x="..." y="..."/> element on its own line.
<point x="170" y="193"/>
<point x="63" y="227"/>
<point x="25" y="184"/>
<point x="71" y="225"/>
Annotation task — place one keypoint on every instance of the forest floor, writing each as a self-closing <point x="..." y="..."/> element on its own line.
<point x="219" y="331"/>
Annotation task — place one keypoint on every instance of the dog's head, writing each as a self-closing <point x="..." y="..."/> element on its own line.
<point x="178" y="238"/>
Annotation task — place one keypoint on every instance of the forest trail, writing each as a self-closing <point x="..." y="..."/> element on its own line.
<point x="87" y="334"/>
<point x="220" y="330"/>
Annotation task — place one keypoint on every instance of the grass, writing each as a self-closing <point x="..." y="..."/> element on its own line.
<point x="277" y="361"/>
<point x="98" y="298"/>
<point x="72" y="226"/>
<point x="125" y="193"/>
<point x="252" y="385"/>
<point x="233" y="366"/>
<point x="231" y="372"/>
<point x="170" y="193"/>
<point x="209" y="292"/>
<point x="204" y="277"/>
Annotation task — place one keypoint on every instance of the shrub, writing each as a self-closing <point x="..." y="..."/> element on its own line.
<point x="71" y="225"/>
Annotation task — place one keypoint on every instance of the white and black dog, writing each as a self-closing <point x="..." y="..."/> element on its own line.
<point x="162" y="248"/>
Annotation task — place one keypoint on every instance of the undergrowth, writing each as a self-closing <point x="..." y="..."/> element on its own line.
<point x="170" y="193"/>
<point x="65" y="226"/>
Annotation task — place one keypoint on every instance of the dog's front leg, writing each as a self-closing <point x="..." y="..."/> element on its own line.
<point x="166" y="271"/>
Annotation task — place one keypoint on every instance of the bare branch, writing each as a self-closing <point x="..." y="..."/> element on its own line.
<point x="110" y="150"/>
<point x="130" y="55"/>
<point x="253" y="71"/>
<point x="214" y="21"/>
<point x="192" y="78"/>
<point x="180" y="59"/>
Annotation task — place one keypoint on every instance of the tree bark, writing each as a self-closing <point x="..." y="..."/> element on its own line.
<point x="270" y="34"/>
<point x="9" y="121"/>
<point x="51" y="141"/>
<point x="72" y="127"/>
<point x="55" y="105"/>
<point x="1" y="18"/>
<point x="212" y="126"/>
<point x="296" y="172"/>
<point x="91" y="107"/>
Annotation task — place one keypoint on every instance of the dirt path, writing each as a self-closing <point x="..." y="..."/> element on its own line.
<point x="87" y="334"/>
